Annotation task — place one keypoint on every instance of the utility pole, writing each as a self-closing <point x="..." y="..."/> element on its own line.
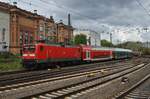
<point x="45" y="28"/>
<point x="37" y="26"/>
<point x="147" y="44"/>
<point x="100" y="39"/>
<point x="110" y="37"/>
<point x="69" y="29"/>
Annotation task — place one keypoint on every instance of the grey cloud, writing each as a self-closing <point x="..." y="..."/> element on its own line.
<point x="113" y="12"/>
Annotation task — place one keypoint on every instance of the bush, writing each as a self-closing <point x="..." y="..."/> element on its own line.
<point x="10" y="66"/>
<point x="9" y="61"/>
<point x="146" y="51"/>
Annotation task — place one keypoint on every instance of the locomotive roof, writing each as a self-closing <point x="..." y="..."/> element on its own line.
<point x="60" y="45"/>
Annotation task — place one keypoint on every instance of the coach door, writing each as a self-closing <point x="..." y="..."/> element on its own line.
<point x="88" y="55"/>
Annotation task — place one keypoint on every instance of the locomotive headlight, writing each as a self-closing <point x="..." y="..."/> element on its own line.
<point x="25" y="54"/>
<point x="31" y="54"/>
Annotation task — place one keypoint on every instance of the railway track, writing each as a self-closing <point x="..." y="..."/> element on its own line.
<point x="140" y="90"/>
<point x="76" y="90"/>
<point x="74" y="83"/>
<point x="13" y="72"/>
<point x="44" y="74"/>
<point x="8" y="73"/>
<point x="65" y="74"/>
<point x="58" y="76"/>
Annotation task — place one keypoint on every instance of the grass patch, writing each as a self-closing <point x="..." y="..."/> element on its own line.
<point x="9" y="62"/>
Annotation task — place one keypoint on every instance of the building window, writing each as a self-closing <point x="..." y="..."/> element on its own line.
<point x="3" y="34"/>
<point x="41" y="28"/>
<point x="41" y="36"/>
<point x="31" y="38"/>
<point x="49" y="30"/>
<point x="21" y="38"/>
<point x="26" y="37"/>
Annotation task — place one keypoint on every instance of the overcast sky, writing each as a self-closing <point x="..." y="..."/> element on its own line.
<point x="121" y="16"/>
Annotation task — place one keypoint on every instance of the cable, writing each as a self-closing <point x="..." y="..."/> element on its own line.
<point x="31" y="4"/>
<point x="140" y="4"/>
<point x="71" y="10"/>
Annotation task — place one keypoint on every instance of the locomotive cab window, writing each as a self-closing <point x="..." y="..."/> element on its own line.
<point x="29" y="48"/>
<point x="32" y="49"/>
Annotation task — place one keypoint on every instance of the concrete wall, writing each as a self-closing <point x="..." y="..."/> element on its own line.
<point x="4" y="31"/>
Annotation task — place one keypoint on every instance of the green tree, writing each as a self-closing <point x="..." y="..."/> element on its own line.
<point x="80" y="39"/>
<point x="135" y="46"/>
<point x="106" y="43"/>
<point x="71" y="42"/>
<point x="145" y="51"/>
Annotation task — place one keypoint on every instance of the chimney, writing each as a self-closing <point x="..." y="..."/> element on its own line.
<point x="15" y="3"/>
<point x="69" y="20"/>
<point x="51" y="18"/>
<point x="35" y="11"/>
<point x="61" y="21"/>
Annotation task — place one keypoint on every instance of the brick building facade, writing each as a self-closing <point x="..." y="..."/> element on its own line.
<point x="23" y="28"/>
<point x="65" y="33"/>
<point x="27" y="27"/>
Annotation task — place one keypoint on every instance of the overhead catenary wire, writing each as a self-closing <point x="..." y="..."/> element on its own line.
<point x="72" y="11"/>
<point x="45" y="8"/>
<point x="30" y="3"/>
<point x="142" y="6"/>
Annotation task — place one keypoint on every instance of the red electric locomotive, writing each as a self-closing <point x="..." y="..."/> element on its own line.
<point x="41" y="54"/>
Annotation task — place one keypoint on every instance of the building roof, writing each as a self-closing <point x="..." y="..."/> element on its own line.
<point x="61" y="24"/>
<point x="11" y="8"/>
<point x="5" y="7"/>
